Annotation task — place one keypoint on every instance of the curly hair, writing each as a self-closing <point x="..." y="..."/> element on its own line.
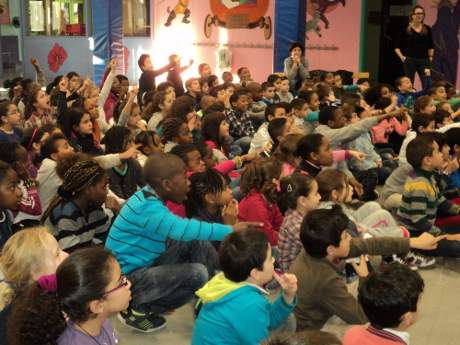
<point x="8" y="152"/>
<point x="210" y="128"/>
<point x="171" y="128"/>
<point x="4" y="168"/>
<point x="77" y="178"/>
<point x="209" y="181"/>
<point x="259" y="175"/>
<point x="38" y="315"/>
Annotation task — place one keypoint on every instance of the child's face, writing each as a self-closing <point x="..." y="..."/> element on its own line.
<point x="13" y="116"/>
<point x="312" y="200"/>
<point x="215" y="83"/>
<point x="363" y="115"/>
<point x="85" y="126"/>
<point x="171" y="91"/>
<point x="129" y="143"/>
<point x="303" y="113"/>
<point x="279" y="113"/>
<point x="167" y="103"/>
<point x="224" y="129"/>
<point x="184" y="136"/>
<point x="245" y="74"/>
<point x="43" y="101"/>
<point x="257" y="94"/>
<point x="92" y="108"/>
<point x="290" y="117"/>
<point x="195" y="86"/>
<point x="268" y="269"/>
<point x="386" y="92"/>
<point x="330" y="79"/>
<point x="227" y="77"/>
<point x="95" y="96"/>
<point x="431" y="128"/>
<point x="241" y="104"/>
<point x="429" y="109"/>
<point x="337" y="81"/>
<point x="116" y="86"/>
<point x="224" y="198"/>
<point x="63" y="149"/>
<point x="269" y="93"/>
<point x="436" y="159"/>
<point x="445" y="153"/>
<point x="53" y="256"/>
<point x="451" y="93"/>
<point x="194" y="162"/>
<point x="296" y="52"/>
<point x="344" y="247"/>
<point x="277" y="84"/>
<point x="287" y="130"/>
<point x="74" y="82"/>
<point x="119" y="298"/>
<point x="98" y="192"/>
<point x="148" y="65"/>
<point x="205" y="88"/>
<point x="447" y="121"/>
<point x="365" y="86"/>
<point x="354" y="119"/>
<point x="447" y="107"/>
<point x="22" y="157"/>
<point x="314" y="102"/>
<point x="206" y="72"/>
<point x="339" y="119"/>
<point x="230" y="90"/>
<point x="10" y="194"/>
<point x="158" y="145"/>
<point x="325" y="155"/>
<point x="180" y="186"/>
<point x="209" y="159"/>
<point x="346" y="193"/>
<point x="406" y="85"/>
<point x="285" y="86"/>
<point x="124" y="87"/>
<point x="135" y="116"/>
<point x="221" y="96"/>
<point x="440" y="94"/>
<point x="250" y="100"/>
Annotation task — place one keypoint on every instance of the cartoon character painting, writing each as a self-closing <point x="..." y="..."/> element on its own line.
<point x="239" y="14"/>
<point x="312" y="24"/>
<point x="180" y="8"/>
<point x="323" y="6"/>
<point x="445" y="39"/>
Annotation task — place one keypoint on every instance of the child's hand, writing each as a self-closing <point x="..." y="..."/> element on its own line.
<point x="358" y="187"/>
<point x="428" y="72"/>
<point x="426" y="241"/>
<point x="190" y="62"/>
<point x="64" y="84"/>
<point x="394" y="99"/>
<point x="86" y="84"/>
<point x="34" y="62"/>
<point x="358" y="155"/>
<point x="21" y="171"/>
<point x="246" y="225"/>
<point x="452" y="166"/>
<point x="288" y="283"/>
<point x="112" y="204"/>
<point x="113" y="65"/>
<point x="331" y="97"/>
<point x="192" y="123"/>
<point x="390" y="156"/>
<point x="141" y="125"/>
<point x="376" y="112"/>
<point x="251" y="156"/>
<point x="230" y="213"/>
<point x="134" y="91"/>
<point x="360" y="269"/>
<point x="198" y="122"/>
<point x="379" y="164"/>
<point x="131" y="153"/>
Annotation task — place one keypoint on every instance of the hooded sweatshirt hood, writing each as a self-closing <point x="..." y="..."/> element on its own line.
<point x="217" y="288"/>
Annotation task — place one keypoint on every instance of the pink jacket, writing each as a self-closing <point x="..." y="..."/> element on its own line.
<point x="381" y="132"/>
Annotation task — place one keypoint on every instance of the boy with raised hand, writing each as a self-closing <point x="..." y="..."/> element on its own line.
<point x="390" y="299"/>
<point x="235" y="310"/>
<point x="153" y="245"/>
<point x="321" y="291"/>
<point x="406" y="95"/>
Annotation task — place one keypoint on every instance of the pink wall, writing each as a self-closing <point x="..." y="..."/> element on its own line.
<point x="344" y="33"/>
<point x="177" y="39"/>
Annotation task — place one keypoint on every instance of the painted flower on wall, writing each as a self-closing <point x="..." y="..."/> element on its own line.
<point x="56" y="57"/>
<point x="126" y="58"/>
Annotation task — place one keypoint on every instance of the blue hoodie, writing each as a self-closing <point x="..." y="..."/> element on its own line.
<point x="236" y="313"/>
<point x="408" y="99"/>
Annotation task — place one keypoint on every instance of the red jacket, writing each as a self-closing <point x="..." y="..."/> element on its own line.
<point x="370" y="336"/>
<point x="254" y="208"/>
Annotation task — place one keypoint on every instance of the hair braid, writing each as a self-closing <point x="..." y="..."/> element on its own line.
<point x="182" y="151"/>
<point x="79" y="177"/>
<point x="171" y="128"/>
<point x="8" y="152"/>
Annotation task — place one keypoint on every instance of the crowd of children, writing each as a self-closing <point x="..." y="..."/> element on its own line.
<point x="221" y="192"/>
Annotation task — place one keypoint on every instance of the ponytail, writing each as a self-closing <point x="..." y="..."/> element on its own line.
<point x="259" y="175"/>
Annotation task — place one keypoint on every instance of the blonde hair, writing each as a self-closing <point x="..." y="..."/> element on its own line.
<point x="91" y="89"/>
<point x="22" y="255"/>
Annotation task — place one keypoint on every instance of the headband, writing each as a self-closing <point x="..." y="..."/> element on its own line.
<point x="32" y="139"/>
<point x="48" y="283"/>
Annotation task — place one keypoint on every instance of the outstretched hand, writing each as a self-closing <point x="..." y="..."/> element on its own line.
<point x="426" y="241"/>
<point x="246" y="225"/>
<point x="361" y="269"/>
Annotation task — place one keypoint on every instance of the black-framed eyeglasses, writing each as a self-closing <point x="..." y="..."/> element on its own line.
<point x="419" y="13"/>
<point x="125" y="283"/>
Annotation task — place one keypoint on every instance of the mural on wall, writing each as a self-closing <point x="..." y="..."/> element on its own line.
<point x="180" y="8"/>
<point x="56" y="57"/>
<point x="445" y="39"/>
<point x="318" y="9"/>
<point x="5" y="12"/>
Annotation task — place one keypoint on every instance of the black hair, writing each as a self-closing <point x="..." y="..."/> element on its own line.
<point x="218" y="107"/>
<point x="272" y="78"/>
<point x="75" y="116"/>
<point x="182" y="151"/>
<point x="189" y="82"/>
<point x="388" y="293"/>
<point x="116" y="139"/>
<point x="359" y="111"/>
<point x="70" y="75"/>
<point x="363" y="80"/>
<point x="122" y="77"/>
<point x="276" y="129"/>
<point x="286" y="106"/>
<point x="4" y="168"/>
<point x="145" y="138"/>
<point x="203" y="81"/>
<point x="322" y="228"/>
<point x="383" y="103"/>
<point x="440" y="138"/>
<point x="271" y="110"/>
<point x="49" y="145"/>
<point x="202" y="148"/>
<point x="211" y="79"/>
<point x="453" y="138"/>
<point x="4" y="110"/>
<point x="298" y="103"/>
<point x="294" y="186"/>
<point x="164" y="85"/>
<point x="25" y="83"/>
<point x="327" y="114"/>
<point x="162" y="166"/>
<point x="297" y="45"/>
<point x="266" y="85"/>
<point x="142" y="59"/>
<point x="323" y="76"/>
<point x="433" y="89"/>
<point x="418" y="149"/>
<point x="421" y="119"/>
<point x="8" y="152"/>
<point x="308" y="144"/>
<point x="39" y="315"/>
<point x="374" y="93"/>
<point x="10" y="84"/>
<point x="171" y="129"/>
<point x="350" y="98"/>
<point x="34" y="135"/>
<point x="215" y="90"/>
<point x="236" y="95"/>
<point x="182" y="106"/>
<point x="240" y="70"/>
<point x="209" y="181"/>
<point x="440" y="115"/>
<point x="241" y="252"/>
<point x="51" y="86"/>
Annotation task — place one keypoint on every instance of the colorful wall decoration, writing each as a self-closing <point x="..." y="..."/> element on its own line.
<point x="5" y="12"/>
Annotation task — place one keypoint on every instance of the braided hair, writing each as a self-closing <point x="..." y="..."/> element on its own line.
<point x="8" y="152"/>
<point x="116" y="139"/>
<point x="78" y="177"/>
<point x="182" y="151"/>
<point x="171" y="128"/>
<point x="209" y="181"/>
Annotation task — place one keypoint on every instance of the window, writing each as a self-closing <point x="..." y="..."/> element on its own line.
<point x="57" y="17"/>
<point x="136" y="18"/>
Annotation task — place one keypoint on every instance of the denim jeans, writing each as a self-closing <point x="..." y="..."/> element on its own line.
<point x="244" y="143"/>
<point x="170" y="283"/>
<point x="446" y="247"/>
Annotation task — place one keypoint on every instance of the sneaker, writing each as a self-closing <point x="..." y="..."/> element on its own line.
<point x="419" y="260"/>
<point x="390" y="259"/>
<point x="146" y="323"/>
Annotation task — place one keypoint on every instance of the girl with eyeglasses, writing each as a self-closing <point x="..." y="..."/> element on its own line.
<point x="88" y="299"/>
<point x="417" y="43"/>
